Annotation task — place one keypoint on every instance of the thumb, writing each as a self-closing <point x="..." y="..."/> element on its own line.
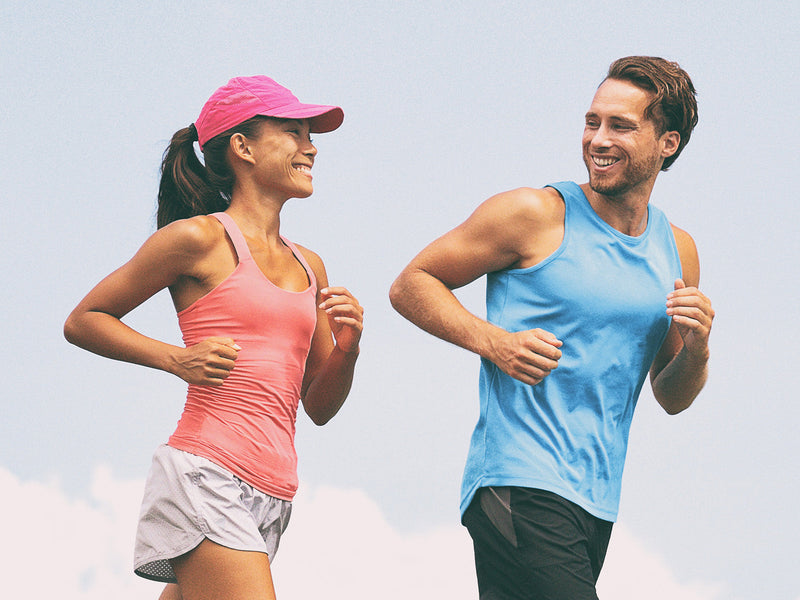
<point x="679" y="284"/>
<point x="550" y="338"/>
<point x="225" y="341"/>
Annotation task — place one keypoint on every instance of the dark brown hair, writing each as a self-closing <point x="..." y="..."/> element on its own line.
<point x="674" y="107"/>
<point x="188" y="187"/>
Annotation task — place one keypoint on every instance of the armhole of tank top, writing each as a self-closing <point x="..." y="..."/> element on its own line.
<point x="673" y="243"/>
<point x="564" y="240"/>
<point x="568" y="197"/>
<point x="312" y="278"/>
<point x="568" y="208"/>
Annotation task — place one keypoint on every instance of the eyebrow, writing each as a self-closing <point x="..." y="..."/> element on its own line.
<point x="613" y="118"/>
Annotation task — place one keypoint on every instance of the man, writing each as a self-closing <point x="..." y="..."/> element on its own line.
<point x="588" y="288"/>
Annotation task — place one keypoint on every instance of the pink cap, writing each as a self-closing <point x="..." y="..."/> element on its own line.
<point x="245" y="97"/>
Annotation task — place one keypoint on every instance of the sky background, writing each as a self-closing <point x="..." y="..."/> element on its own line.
<point x="446" y="104"/>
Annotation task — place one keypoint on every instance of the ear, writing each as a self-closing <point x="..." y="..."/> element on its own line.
<point x="241" y="148"/>
<point x="669" y="143"/>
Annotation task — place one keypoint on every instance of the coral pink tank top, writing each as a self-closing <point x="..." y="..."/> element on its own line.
<point x="247" y="425"/>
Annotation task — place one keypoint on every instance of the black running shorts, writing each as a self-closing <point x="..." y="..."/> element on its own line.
<point x="534" y="545"/>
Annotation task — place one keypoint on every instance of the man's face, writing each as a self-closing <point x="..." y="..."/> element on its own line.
<point x="621" y="148"/>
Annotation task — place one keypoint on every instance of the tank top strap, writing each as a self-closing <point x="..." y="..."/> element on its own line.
<point x="239" y="243"/>
<point x="312" y="279"/>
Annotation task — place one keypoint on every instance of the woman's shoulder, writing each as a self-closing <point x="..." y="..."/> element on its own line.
<point x="312" y="258"/>
<point x="195" y="235"/>
<point x="314" y="261"/>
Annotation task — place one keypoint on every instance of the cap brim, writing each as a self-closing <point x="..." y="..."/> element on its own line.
<point x="322" y="119"/>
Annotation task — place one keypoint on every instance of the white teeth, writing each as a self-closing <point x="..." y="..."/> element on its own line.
<point x="603" y="162"/>
<point x="303" y="168"/>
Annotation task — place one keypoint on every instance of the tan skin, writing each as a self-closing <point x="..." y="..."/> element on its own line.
<point x="520" y="228"/>
<point x="190" y="258"/>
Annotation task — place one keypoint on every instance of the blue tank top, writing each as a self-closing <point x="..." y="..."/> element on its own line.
<point x="603" y="294"/>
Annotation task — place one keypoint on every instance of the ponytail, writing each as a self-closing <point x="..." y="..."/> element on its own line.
<point x="184" y="190"/>
<point x="188" y="188"/>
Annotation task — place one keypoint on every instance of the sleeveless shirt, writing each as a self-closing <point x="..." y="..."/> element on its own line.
<point x="247" y="425"/>
<point x="603" y="294"/>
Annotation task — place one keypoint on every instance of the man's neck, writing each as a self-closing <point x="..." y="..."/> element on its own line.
<point x="627" y="213"/>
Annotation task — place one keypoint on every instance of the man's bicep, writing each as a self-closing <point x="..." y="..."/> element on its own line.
<point x="687" y="251"/>
<point x="484" y="243"/>
<point x="463" y="255"/>
<point x="669" y="349"/>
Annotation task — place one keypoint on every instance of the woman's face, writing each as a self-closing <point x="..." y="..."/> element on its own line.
<point x="284" y="156"/>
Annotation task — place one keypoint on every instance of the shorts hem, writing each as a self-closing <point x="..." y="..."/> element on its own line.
<point x="165" y="556"/>
<point x="137" y="569"/>
<point x="155" y="578"/>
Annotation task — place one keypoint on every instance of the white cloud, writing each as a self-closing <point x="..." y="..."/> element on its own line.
<point x="338" y="545"/>
<point x="61" y="547"/>
<point x="632" y="572"/>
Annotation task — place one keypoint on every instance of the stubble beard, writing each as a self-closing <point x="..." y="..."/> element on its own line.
<point x="636" y="174"/>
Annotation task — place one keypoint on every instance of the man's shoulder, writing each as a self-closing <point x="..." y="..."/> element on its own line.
<point x="531" y="194"/>
<point x="687" y="252"/>
<point x="527" y="204"/>
<point x="681" y="236"/>
<point x="526" y="223"/>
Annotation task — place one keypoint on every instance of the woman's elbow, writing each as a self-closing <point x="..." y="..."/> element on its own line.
<point x="318" y="418"/>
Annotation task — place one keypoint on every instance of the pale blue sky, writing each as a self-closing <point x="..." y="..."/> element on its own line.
<point x="445" y="104"/>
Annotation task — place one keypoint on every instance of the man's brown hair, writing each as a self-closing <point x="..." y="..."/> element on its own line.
<point x="674" y="107"/>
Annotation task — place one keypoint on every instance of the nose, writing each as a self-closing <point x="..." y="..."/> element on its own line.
<point x="309" y="149"/>
<point x="601" y="137"/>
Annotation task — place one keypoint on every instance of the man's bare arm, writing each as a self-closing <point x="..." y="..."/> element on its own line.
<point x="680" y="369"/>
<point x="500" y="234"/>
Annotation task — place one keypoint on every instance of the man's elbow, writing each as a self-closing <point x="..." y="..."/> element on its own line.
<point x="674" y="405"/>
<point x="71" y="329"/>
<point x="673" y="410"/>
<point x="397" y="293"/>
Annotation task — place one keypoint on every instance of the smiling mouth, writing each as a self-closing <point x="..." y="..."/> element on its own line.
<point x="604" y="162"/>
<point x="305" y="170"/>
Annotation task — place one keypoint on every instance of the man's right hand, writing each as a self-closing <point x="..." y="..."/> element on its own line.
<point x="528" y="356"/>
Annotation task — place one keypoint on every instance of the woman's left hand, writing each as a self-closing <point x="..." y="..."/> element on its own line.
<point x="345" y="317"/>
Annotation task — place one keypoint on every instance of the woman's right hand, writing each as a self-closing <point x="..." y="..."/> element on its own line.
<point x="174" y="254"/>
<point x="209" y="362"/>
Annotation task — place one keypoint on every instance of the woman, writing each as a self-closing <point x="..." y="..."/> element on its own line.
<point x="262" y="330"/>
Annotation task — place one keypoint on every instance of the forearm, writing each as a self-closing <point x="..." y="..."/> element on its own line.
<point x="107" y="336"/>
<point x="432" y="306"/>
<point x="331" y="385"/>
<point x="680" y="381"/>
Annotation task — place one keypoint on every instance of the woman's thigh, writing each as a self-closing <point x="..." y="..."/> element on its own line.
<point x="214" y="572"/>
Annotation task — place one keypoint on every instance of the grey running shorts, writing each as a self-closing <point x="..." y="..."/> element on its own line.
<point x="188" y="498"/>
